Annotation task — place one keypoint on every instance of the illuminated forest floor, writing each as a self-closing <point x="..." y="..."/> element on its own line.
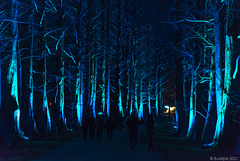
<point x="70" y="146"/>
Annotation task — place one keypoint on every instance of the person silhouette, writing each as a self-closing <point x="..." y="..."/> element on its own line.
<point x="150" y="129"/>
<point x="120" y="122"/>
<point x="99" y="127"/>
<point x="91" y="125"/>
<point x="110" y="124"/>
<point x="132" y="126"/>
<point x="85" y="126"/>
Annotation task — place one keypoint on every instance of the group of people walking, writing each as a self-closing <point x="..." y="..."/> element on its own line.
<point x="91" y="125"/>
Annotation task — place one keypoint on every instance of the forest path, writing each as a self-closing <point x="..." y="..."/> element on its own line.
<point x="90" y="150"/>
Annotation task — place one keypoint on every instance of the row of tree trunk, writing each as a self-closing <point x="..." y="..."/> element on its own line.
<point x="70" y="58"/>
<point x="207" y="51"/>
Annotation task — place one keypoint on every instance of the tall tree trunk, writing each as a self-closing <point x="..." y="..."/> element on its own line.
<point x="128" y="104"/>
<point x="62" y="84"/>
<point x="91" y="59"/>
<point x="108" y="84"/>
<point x="192" y="112"/>
<point x="104" y="82"/>
<point x="13" y="70"/>
<point x="62" y="71"/>
<point x="184" y="83"/>
<point x="209" y="118"/>
<point x="108" y="58"/>
<point x="157" y="87"/>
<point x="45" y="100"/>
<point x="119" y="57"/>
<point x="103" y="37"/>
<point x="94" y="86"/>
<point x="135" y="58"/>
<point x="80" y="72"/>
<point x="149" y="97"/>
<point x="140" y="114"/>
<point x="79" y="91"/>
<point x="156" y="97"/>
<point x="127" y="51"/>
<point x="135" y="78"/>
<point x="82" y="91"/>
<point x="78" y="95"/>
<point x="227" y="82"/>
<point x="31" y="113"/>
<point x="219" y="49"/>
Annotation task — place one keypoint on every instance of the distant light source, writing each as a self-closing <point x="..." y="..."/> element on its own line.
<point x="172" y="108"/>
<point x="169" y="108"/>
<point x="100" y="113"/>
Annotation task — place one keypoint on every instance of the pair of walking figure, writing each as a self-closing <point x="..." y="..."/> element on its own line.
<point x="100" y="124"/>
<point x="132" y="125"/>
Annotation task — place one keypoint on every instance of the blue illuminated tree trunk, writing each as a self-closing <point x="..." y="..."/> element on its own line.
<point x="135" y="61"/>
<point x="221" y="108"/>
<point x="192" y="112"/>
<point x="119" y="58"/>
<point x="62" y="70"/>
<point x="149" y="86"/>
<point x="94" y="85"/>
<point x="206" y="135"/>
<point x="25" y="76"/>
<point x="135" y="78"/>
<point x="149" y="97"/>
<point x="80" y="92"/>
<point x="129" y="96"/>
<point x="80" y="71"/>
<point x="157" y="96"/>
<point x="31" y="86"/>
<point x="104" y="62"/>
<point x="92" y="60"/>
<point x="45" y="99"/>
<point x="157" y="93"/>
<point x="108" y="84"/>
<point x="13" y="75"/>
<point x="104" y="83"/>
<point x="219" y="49"/>
<point x="13" y="70"/>
<point x="108" y="59"/>
<point x="127" y="56"/>
<point x="218" y="58"/>
<point x="130" y="83"/>
<point x="225" y="98"/>
<point x="141" y="93"/>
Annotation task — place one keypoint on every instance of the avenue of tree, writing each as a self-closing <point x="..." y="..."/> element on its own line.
<point x="62" y="59"/>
